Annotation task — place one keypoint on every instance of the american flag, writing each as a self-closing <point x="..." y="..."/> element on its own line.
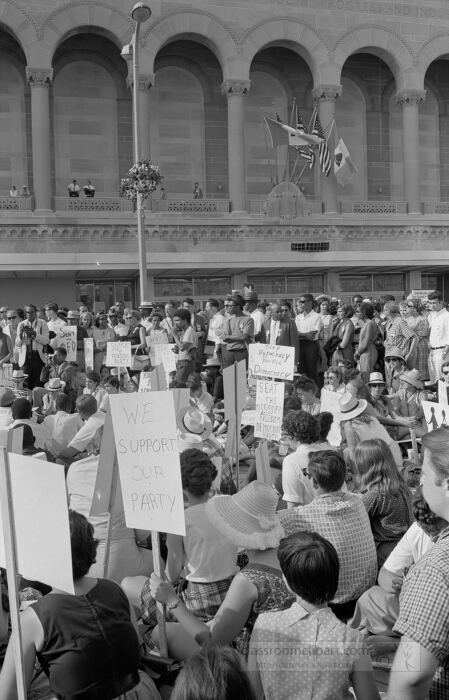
<point x="323" y="151"/>
<point x="305" y="153"/>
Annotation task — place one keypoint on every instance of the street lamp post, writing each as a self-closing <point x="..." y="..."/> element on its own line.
<point x="140" y="13"/>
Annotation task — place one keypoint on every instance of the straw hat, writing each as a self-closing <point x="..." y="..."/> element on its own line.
<point x="350" y="407"/>
<point x="248" y="519"/>
<point x="19" y="374"/>
<point x="376" y="378"/>
<point x="212" y="362"/>
<point x="54" y="384"/>
<point x="193" y="423"/>
<point x="413" y="377"/>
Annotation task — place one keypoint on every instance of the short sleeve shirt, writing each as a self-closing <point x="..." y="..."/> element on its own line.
<point x="189" y="336"/>
<point x="308" y="323"/>
<point x="87" y="437"/>
<point x="439" y="328"/>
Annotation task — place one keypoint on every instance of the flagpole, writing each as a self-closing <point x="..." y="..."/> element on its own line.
<point x="294" y="167"/>
<point x="300" y="174"/>
<point x="268" y="155"/>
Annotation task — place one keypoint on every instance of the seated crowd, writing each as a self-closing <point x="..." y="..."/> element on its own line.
<point x="299" y="588"/>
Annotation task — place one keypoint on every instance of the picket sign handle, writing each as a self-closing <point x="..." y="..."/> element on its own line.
<point x="107" y="544"/>
<point x="11" y="567"/>
<point x="163" y="646"/>
<point x="237" y="430"/>
<point x="415" y="446"/>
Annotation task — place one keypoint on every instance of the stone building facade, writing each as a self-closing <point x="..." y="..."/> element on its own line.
<point x="210" y="70"/>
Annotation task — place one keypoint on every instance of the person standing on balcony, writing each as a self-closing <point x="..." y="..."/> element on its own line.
<point x="89" y="189"/>
<point x="13" y="191"/>
<point x="197" y="191"/>
<point x="74" y="189"/>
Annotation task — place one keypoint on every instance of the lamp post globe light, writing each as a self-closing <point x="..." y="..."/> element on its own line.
<point x="140" y="13"/>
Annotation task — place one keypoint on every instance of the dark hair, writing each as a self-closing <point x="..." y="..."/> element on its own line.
<point x="367" y="309"/>
<point x="292" y="403"/>
<point x="325" y="420"/>
<point x="86" y="405"/>
<point x="21" y="409"/>
<point x="52" y="306"/>
<point x="113" y="381"/>
<point x="61" y="351"/>
<point x="285" y="302"/>
<point x="435" y="295"/>
<point x="328" y="469"/>
<point x="332" y="308"/>
<point x="188" y="300"/>
<point x="83" y="544"/>
<point x="305" y="383"/>
<point x="215" y="673"/>
<point x="301" y="426"/>
<point x="437" y="442"/>
<point x="62" y="403"/>
<point x="183" y="315"/>
<point x="308" y="297"/>
<point x="28" y="438"/>
<point x="156" y="314"/>
<point x="427" y="520"/>
<point x="348" y="311"/>
<point x="197" y="471"/>
<point x="310" y="566"/>
<point x="213" y="302"/>
<point x="194" y="381"/>
<point x="93" y="376"/>
<point x="31" y="306"/>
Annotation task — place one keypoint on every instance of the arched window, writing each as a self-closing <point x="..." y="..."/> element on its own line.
<point x="350" y="125"/>
<point x="13" y="169"/>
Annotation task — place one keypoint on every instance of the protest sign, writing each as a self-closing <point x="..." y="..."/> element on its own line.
<point x="118" y="354"/>
<point x="330" y="401"/>
<point x="154" y="380"/>
<point x="40" y="521"/>
<point x="89" y="353"/>
<point x="6" y="375"/>
<point x="234" y="388"/>
<point x="146" y="442"/>
<point x="269" y="410"/>
<point x="145" y="381"/>
<point x="436" y="415"/>
<point x="163" y="354"/>
<point x="422" y="294"/>
<point x="248" y="418"/>
<point x="67" y="338"/>
<point x="274" y="361"/>
<point x="442" y="393"/>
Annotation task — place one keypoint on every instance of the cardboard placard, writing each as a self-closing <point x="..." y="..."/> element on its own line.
<point x="155" y="380"/>
<point x="41" y="522"/>
<point x="330" y="401"/>
<point x="118" y="354"/>
<point x="436" y="415"/>
<point x="162" y="353"/>
<point x="263" y="469"/>
<point x="6" y="375"/>
<point x="67" y="338"/>
<point x="146" y="442"/>
<point x="89" y="353"/>
<point x="234" y="377"/>
<point x="272" y="361"/>
<point x="248" y="418"/>
<point x="269" y="410"/>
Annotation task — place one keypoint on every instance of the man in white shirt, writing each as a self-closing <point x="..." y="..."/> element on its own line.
<point x="61" y="426"/>
<point x="31" y="341"/>
<point x="438" y="319"/>
<point x="167" y="322"/>
<point x="251" y="308"/>
<point x="54" y="322"/>
<point x="216" y="327"/>
<point x="308" y="323"/>
<point x="88" y="438"/>
<point x="74" y="189"/>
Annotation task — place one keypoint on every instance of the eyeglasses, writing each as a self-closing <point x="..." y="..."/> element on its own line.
<point x="112" y="316"/>
<point x="392" y="359"/>
<point x="9" y="318"/>
<point x="410" y="306"/>
<point x="129" y="317"/>
<point x="302" y="301"/>
<point x="445" y="373"/>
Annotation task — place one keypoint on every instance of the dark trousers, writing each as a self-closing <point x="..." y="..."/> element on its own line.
<point x="33" y="367"/>
<point x="309" y="357"/>
<point x="183" y="369"/>
<point x="231" y="356"/>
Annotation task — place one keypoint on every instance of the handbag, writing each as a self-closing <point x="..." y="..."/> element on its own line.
<point x="139" y="362"/>
<point x="331" y="345"/>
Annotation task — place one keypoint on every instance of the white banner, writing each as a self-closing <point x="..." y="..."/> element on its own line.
<point x="118" y="354"/>
<point x="273" y="361"/>
<point x="67" y="338"/>
<point x="269" y="410"/>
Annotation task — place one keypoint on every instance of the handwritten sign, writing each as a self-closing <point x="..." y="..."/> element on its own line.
<point x="118" y="354"/>
<point x="67" y="338"/>
<point x="154" y="380"/>
<point x="436" y="415"/>
<point x="89" y="353"/>
<point x="269" y="410"/>
<point x="41" y="522"/>
<point x="274" y="361"/>
<point x="330" y="401"/>
<point x="146" y="441"/>
<point x="6" y="375"/>
<point x="163" y="354"/>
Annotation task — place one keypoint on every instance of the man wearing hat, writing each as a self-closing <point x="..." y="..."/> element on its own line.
<point x="406" y="403"/>
<point x="7" y="398"/>
<point x="73" y="319"/>
<point x="280" y="331"/>
<point x="213" y="378"/>
<point x="31" y="339"/>
<point x="237" y="334"/>
<point x="145" y="309"/>
<point x="395" y="365"/>
<point x="251" y="302"/>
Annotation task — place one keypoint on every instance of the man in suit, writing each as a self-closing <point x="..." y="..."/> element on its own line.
<point x="280" y="331"/>
<point x="32" y="338"/>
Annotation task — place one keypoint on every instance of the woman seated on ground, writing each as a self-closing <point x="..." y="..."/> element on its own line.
<point x="358" y="424"/>
<point x="302" y="432"/>
<point x="334" y="380"/>
<point x="93" y="386"/>
<point x="381" y="406"/>
<point x="377" y="609"/>
<point x="203" y="557"/>
<point x="406" y="406"/>
<point x="306" y="390"/>
<point x="86" y="643"/>
<point x="198" y="394"/>
<point x="397" y="366"/>
<point x="249" y="520"/>
<point x="386" y="496"/>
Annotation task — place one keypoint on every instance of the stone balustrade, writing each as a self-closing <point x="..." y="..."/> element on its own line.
<point x="189" y="206"/>
<point x="93" y="204"/>
<point x="19" y="204"/>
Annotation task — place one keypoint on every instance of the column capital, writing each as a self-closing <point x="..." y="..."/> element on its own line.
<point x="39" y="77"/>
<point x="235" y="87"/>
<point x="326" y="92"/>
<point x="410" y="97"/>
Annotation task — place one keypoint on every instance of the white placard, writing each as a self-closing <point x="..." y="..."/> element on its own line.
<point x="163" y="354"/>
<point x="269" y="410"/>
<point x="274" y="361"/>
<point x="436" y="415"/>
<point x="248" y="417"/>
<point x="422" y="294"/>
<point x="330" y="401"/>
<point x="442" y="393"/>
<point x="118" y="354"/>
<point x="41" y="522"/>
<point x="145" y="381"/>
<point x="6" y="375"/>
<point x="67" y="338"/>
<point x="89" y="353"/>
<point x="146" y="440"/>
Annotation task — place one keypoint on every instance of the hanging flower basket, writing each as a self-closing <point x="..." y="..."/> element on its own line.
<point x="143" y="178"/>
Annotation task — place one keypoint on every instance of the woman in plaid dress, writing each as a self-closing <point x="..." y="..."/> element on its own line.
<point x="411" y="311"/>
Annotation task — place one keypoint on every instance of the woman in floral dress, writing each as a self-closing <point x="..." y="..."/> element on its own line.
<point x="411" y="311"/>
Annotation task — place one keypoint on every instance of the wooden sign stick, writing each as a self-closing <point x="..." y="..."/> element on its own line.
<point x="11" y="561"/>
<point x="107" y="544"/>
<point x="163" y="646"/>
<point x="415" y="446"/>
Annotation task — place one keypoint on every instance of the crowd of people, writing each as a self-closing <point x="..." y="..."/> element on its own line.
<point x="283" y="590"/>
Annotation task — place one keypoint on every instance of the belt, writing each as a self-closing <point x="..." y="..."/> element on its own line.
<point x="440" y="347"/>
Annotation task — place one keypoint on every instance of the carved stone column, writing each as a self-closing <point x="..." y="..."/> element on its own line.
<point x="235" y="91"/>
<point x="410" y="101"/>
<point x="324" y="97"/>
<point x="40" y="82"/>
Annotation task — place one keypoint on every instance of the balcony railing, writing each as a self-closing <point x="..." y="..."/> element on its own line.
<point x="373" y="207"/>
<point x="9" y="204"/>
<point x="189" y="206"/>
<point x="435" y="207"/>
<point x="93" y="204"/>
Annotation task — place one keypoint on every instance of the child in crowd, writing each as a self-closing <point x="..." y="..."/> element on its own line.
<point x="306" y="651"/>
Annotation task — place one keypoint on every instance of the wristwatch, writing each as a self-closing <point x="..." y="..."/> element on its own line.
<point x="173" y="605"/>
